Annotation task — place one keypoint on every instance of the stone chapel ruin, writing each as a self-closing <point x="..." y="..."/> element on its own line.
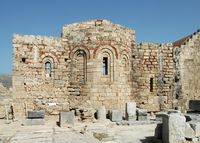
<point x="97" y="63"/>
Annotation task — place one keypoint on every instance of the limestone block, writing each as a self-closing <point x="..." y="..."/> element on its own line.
<point x="131" y="111"/>
<point x="66" y="119"/>
<point x="194" y="105"/>
<point x="196" y="127"/>
<point x="173" y="129"/>
<point x="35" y="114"/>
<point x="101" y="113"/>
<point x="116" y="115"/>
<point x="189" y="132"/>
<point x="30" y="122"/>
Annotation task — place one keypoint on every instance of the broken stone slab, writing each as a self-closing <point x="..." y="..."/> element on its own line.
<point x="101" y="113"/>
<point x="131" y="111"/>
<point x="31" y="122"/>
<point x="66" y="119"/>
<point x="116" y="115"/>
<point x="189" y="132"/>
<point x="173" y="128"/>
<point x="196" y="127"/>
<point x="35" y="115"/>
<point x="194" y="105"/>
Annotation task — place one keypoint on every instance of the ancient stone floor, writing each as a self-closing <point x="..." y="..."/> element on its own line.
<point x="96" y="132"/>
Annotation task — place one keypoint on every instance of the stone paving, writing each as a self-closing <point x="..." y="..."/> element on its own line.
<point x="105" y="132"/>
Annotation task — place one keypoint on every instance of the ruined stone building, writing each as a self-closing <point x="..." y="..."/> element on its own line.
<point x="98" y="63"/>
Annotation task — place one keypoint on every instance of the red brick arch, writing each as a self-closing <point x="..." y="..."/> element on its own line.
<point x="98" y="48"/>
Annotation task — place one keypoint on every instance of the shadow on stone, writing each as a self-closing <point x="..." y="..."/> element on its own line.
<point x="150" y="139"/>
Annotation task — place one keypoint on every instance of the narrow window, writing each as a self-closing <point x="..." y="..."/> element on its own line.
<point x="151" y="84"/>
<point x="48" y="69"/>
<point x="105" y="66"/>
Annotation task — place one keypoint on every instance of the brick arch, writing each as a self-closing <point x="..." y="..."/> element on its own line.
<point x="109" y="47"/>
<point x="51" y="57"/>
<point x="124" y="53"/>
<point x="75" y="49"/>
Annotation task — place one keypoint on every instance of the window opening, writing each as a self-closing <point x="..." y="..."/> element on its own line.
<point x="151" y="84"/>
<point x="105" y="66"/>
<point x="48" y="69"/>
<point x="23" y="60"/>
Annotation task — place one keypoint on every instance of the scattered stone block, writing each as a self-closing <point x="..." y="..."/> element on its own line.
<point x="189" y="132"/>
<point x="116" y="115"/>
<point x="173" y="129"/>
<point x="35" y="114"/>
<point x="101" y="113"/>
<point x="194" y="105"/>
<point x="31" y="122"/>
<point x="131" y="111"/>
<point x="66" y="119"/>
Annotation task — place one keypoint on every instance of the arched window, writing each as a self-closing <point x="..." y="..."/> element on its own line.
<point x="48" y="69"/>
<point x="105" y="66"/>
<point x="79" y="67"/>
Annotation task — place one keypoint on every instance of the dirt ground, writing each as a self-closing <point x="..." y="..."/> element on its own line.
<point x="95" y="132"/>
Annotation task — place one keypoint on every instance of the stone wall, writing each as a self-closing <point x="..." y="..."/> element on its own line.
<point x="97" y="63"/>
<point x="63" y="73"/>
<point x="153" y="65"/>
<point x="98" y="39"/>
<point x="187" y="71"/>
<point x="32" y="86"/>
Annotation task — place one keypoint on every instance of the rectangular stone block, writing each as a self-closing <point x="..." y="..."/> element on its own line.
<point x="116" y="116"/>
<point x="66" y="119"/>
<point x="194" y="105"/>
<point x="30" y="122"/>
<point x="173" y="129"/>
<point x="131" y="111"/>
<point x="35" y="114"/>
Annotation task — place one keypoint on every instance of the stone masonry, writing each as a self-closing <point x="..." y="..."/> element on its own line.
<point x="98" y="63"/>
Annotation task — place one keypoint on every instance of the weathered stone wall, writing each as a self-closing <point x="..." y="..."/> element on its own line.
<point x="31" y="84"/>
<point x="187" y="72"/>
<point x="98" y="39"/>
<point x="97" y="63"/>
<point x="153" y="65"/>
<point x="76" y="78"/>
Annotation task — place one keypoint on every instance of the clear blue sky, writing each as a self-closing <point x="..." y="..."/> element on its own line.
<point x="154" y="20"/>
